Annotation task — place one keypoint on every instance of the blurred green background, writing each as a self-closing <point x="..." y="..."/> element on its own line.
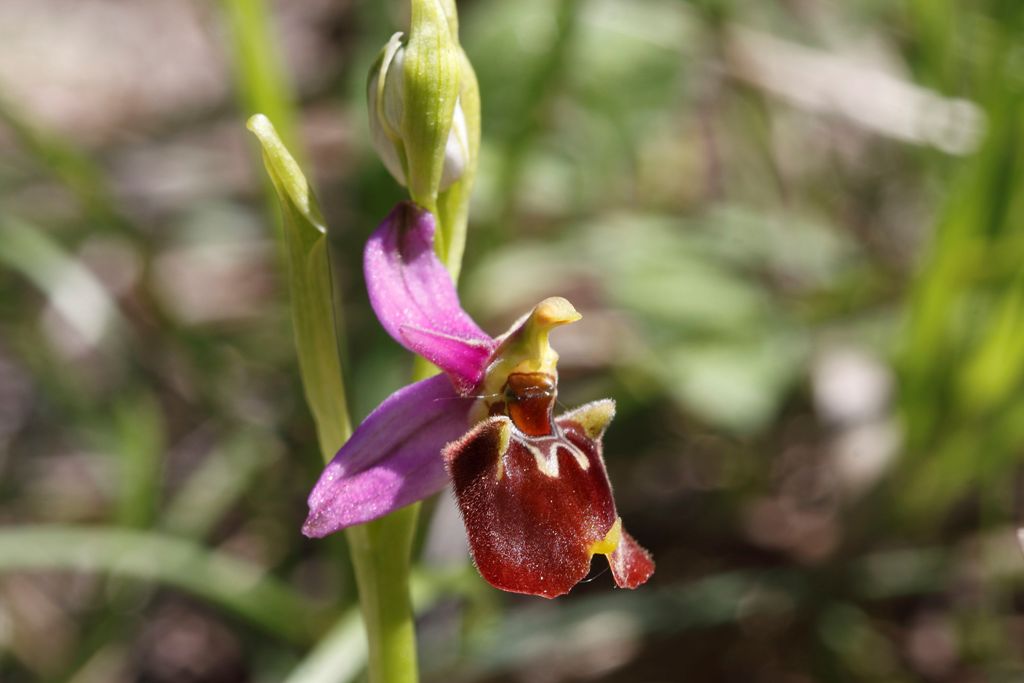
<point x="796" y="233"/>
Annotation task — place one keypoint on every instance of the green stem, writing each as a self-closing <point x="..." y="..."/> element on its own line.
<point x="381" y="556"/>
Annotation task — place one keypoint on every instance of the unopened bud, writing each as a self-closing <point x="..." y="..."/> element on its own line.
<point x="402" y="136"/>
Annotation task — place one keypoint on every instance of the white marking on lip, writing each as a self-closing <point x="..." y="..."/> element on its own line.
<point x="545" y="451"/>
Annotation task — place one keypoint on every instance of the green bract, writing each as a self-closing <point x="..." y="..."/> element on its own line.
<point x="309" y="275"/>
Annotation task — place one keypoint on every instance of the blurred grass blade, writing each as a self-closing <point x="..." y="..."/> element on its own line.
<point x="537" y="92"/>
<point x="341" y="653"/>
<point x="963" y="362"/>
<point x="73" y="291"/>
<point x="79" y="173"/>
<point x="262" y="84"/>
<point x="218" y="483"/>
<point x="339" y="656"/>
<point x="233" y="584"/>
<point x="140" y="444"/>
<point x="309" y="277"/>
<point x="579" y="629"/>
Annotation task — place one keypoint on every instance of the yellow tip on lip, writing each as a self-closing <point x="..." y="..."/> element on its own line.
<point x="555" y="310"/>
<point x="610" y="543"/>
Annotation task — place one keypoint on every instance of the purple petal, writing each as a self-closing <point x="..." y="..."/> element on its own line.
<point x="415" y="300"/>
<point x="393" y="458"/>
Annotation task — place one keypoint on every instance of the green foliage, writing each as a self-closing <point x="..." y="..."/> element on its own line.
<point x="221" y="579"/>
<point x="963" y="363"/>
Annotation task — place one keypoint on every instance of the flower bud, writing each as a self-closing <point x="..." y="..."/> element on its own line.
<point x="407" y="127"/>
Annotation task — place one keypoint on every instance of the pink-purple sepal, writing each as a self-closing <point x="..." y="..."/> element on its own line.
<point x="392" y="458"/>
<point x="415" y="300"/>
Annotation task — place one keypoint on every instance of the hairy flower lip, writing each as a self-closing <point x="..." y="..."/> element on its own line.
<point x="537" y="509"/>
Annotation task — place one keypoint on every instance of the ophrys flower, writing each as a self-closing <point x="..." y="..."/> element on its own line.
<point x="532" y="488"/>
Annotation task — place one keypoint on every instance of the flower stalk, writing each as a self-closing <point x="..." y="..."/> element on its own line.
<point x="381" y="556"/>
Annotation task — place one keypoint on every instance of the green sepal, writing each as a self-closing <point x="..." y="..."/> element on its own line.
<point x="386" y="134"/>
<point x="453" y="203"/>
<point x="433" y="66"/>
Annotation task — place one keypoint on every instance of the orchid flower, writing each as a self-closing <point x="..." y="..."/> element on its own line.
<point x="532" y="488"/>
